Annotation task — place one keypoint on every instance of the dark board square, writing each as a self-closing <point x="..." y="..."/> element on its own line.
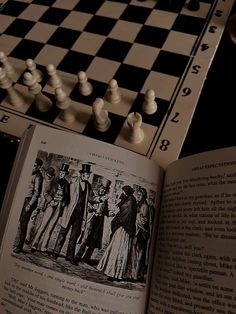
<point x="54" y="16"/>
<point x="111" y="134"/>
<point x="99" y="90"/>
<point x="152" y="36"/>
<point x="188" y="24"/>
<point x="27" y="49"/>
<point x="42" y="69"/>
<point x="49" y="2"/>
<point x="114" y="49"/>
<point x="122" y="1"/>
<point x="14" y="8"/>
<point x="135" y="14"/>
<point x="154" y="119"/>
<point x="131" y="77"/>
<point x="100" y="25"/>
<point x="170" y="5"/>
<point x="3" y="94"/>
<point x="170" y="63"/>
<point x="19" y="28"/>
<point x="48" y="116"/>
<point x="88" y="6"/>
<point x="73" y="62"/>
<point x="64" y="37"/>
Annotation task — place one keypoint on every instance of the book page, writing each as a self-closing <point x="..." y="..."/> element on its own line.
<point x="79" y="230"/>
<point x="195" y="268"/>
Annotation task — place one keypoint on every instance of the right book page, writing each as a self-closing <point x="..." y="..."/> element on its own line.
<point x="195" y="262"/>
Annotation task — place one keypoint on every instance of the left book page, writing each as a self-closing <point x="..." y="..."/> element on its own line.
<point x="78" y="235"/>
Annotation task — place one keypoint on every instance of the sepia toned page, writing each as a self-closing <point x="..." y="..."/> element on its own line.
<point x="79" y="230"/>
<point x="195" y="267"/>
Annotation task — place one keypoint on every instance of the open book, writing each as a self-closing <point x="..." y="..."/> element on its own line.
<point x="88" y="227"/>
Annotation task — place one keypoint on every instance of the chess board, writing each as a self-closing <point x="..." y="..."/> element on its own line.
<point x="152" y="44"/>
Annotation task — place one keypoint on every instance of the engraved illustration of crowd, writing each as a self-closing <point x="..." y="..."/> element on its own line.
<point x="81" y="212"/>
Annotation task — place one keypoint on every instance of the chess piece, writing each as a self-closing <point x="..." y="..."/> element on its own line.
<point x="42" y="103"/>
<point x="31" y="66"/>
<point x="14" y="96"/>
<point x="55" y="81"/>
<point x="113" y="94"/>
<point x="7" y="65"/>
<point x="149" y="105"/>
<point x="100" y="116"/>
<point x="193" y="5"/>
<point x="134" y="122"/>
<point x="85" y="87"/>
<point x="63" y="102"/>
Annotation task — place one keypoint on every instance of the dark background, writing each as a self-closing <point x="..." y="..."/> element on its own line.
<point x="213" y="124"/>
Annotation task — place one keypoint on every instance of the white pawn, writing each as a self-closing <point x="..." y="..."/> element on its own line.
<point x="135" y="134"/>
<point x="85" y="87"/>
<point x="31" y="66"/>
<point x="63" y="102"/>
<point x="55" y="81"/>
<point x="113" y="94"/>
<point x="6" y="65"/>
<point x="149" y="105"/>
<point x="100" y="116"/>
<point x="42" y="103"/>
<point x="14" y="96"/>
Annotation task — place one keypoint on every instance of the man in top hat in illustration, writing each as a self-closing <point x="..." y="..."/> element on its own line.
<point x="74" y="217"/>
<point x="56" y="206"/>
<point x="93" y="233"/>
<point x="30" y="203"/>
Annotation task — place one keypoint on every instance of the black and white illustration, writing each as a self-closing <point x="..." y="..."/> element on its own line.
<point x="83" y="219"/>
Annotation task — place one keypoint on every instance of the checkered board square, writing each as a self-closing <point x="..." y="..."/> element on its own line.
<point x="143" y="45"/>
